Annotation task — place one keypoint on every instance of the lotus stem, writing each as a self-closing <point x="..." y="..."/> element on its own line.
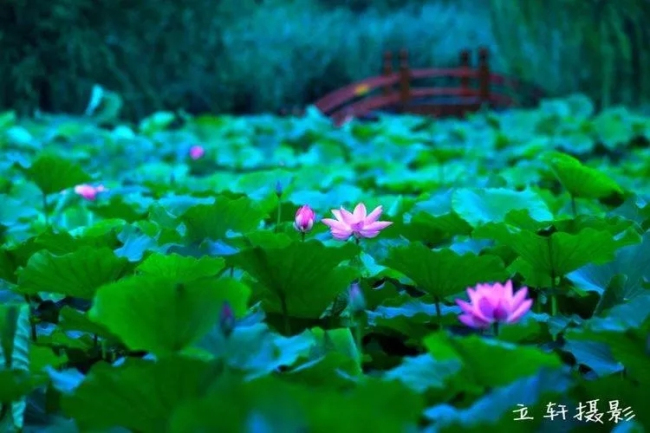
<point x="302" y="236"/>
<point x="438" y="313"/>
<point x="495" y="328"/>
<point x="553" y="294"/>
<point x="285" y="315"/>
<point x="357" y="261"/>
<point x="537" y="303"/>
<point x="553" y="305"/>
<point x="279" y="215"/>
<point x="46" y="211"/>
<point x="573" y="206"/>
<point x="61" y="202"/>
<point x="358" y="338"/>
<point x="32" y="323"/>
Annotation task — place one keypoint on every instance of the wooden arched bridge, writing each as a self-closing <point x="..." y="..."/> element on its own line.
<point x="394" y="90"/>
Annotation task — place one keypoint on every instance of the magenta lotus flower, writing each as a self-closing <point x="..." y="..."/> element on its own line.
<point x="304" y="219"/>
<point x="490" y="303"/>
<point x="88" y="192"/>
<point x="356" y="223"/>
<point x="196" y="152"/>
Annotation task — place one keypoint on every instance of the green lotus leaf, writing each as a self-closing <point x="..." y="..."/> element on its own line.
<point x="300" y="279"/>
<point x="479" y="206"/>
<point x="213" y="221"/>
<point x="580" y="180"/>
<point x="53" y="174"/>
<point x="163" y="315"/>
<point x="76" y="274"/>
<point x="444" y="273"/>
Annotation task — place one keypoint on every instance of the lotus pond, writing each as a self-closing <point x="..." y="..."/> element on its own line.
<point x="187" y="274"/>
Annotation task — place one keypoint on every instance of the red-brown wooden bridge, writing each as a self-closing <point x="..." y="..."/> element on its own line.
<point x="393" y="90"/>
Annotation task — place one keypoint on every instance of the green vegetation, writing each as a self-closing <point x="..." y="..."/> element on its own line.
<point x="253" y="56"/>
<point x="174" y="293"/>
<point x="593" y="46"/>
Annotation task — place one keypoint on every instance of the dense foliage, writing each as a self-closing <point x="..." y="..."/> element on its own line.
<point x="262" y="55"/>
<point x="156" y="277"/>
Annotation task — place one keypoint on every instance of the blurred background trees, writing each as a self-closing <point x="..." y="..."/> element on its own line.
<point x="598" y="47"/>
<point x="248" y="56"/>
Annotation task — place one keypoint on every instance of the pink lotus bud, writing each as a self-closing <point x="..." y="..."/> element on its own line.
<point x="196" y="152"/>
<point x="356" y="300"/>
<point x="304" y="219"/>
<point x="227" y="319"/>
<point x="88" y="192"/>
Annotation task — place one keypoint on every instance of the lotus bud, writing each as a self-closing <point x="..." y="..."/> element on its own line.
<point x="196" y="152"/>
<point x="356" y="300"/>
<point x="304" y="220"/>
<point x="227" y="319"/>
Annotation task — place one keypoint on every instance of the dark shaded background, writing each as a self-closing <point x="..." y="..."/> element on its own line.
<point x="246" y="56"/>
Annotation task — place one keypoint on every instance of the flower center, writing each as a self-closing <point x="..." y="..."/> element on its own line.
<point x="500" y="312"/>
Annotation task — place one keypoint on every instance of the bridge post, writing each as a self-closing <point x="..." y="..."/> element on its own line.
<point x="404" y="79"/>
<point x="387" y="69"/>
<point x="484" y="76"/>
<point x="463" y="58"/>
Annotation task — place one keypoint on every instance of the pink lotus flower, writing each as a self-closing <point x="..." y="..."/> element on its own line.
<point x="196" y="152"/>
<point x="356" y="223"/>
<point x="304" y="219"/>
<point x="490" y="303"/>
<point x="88" y="192"/>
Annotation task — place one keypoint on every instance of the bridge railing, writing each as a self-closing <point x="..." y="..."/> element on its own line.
<point x="394" y="90"/>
